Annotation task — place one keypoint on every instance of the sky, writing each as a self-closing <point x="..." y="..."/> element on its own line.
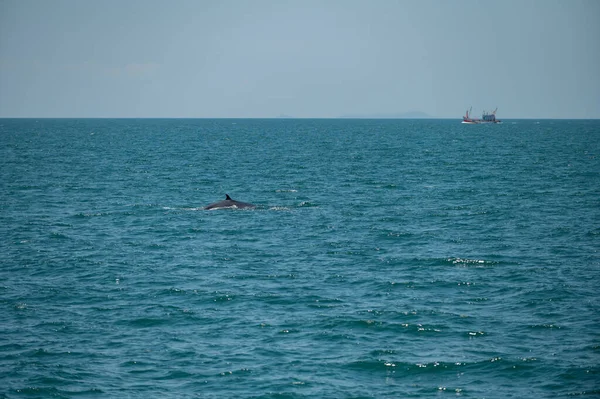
<point x="300" y="58"/>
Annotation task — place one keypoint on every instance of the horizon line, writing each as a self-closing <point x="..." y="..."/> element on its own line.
<point x="279" y="117"/>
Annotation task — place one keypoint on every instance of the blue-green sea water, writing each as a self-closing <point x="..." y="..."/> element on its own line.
<point x="385" y="258"/>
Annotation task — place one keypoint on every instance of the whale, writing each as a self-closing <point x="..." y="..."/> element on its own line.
<point x="229" y="203"/>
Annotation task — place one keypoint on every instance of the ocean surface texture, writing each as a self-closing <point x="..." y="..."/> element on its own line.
<point x="385" y="259"/>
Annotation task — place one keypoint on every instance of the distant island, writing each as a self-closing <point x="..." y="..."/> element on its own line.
<point x="403" y="115"/>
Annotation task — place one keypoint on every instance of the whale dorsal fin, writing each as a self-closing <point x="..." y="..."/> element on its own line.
<point x="227" y="197"/>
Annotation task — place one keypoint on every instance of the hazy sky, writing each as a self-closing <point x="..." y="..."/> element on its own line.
<point x="304" y="58"/>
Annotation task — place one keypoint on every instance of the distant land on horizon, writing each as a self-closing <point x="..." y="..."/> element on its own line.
<point x="402" y="115"/>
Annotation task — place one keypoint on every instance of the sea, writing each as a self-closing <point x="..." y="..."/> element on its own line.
<point x="384" y="258"/>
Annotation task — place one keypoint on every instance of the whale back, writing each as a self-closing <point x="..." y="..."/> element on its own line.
<point x="229" y="203"/>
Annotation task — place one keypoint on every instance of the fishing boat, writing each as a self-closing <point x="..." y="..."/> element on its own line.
<point x="487" y="117"/>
